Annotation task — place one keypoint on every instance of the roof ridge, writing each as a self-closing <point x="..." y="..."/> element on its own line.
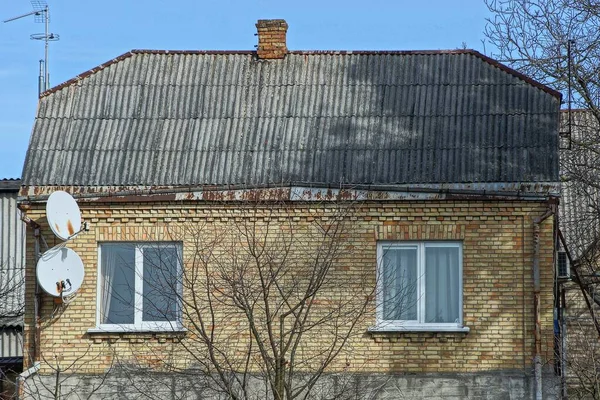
<point x="308" y="52"/>
<point x="472" y="52"/>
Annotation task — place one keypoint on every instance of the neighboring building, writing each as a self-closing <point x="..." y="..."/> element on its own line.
<point x="448" y="159"/>
<point x="578" y="278"/>
<point x="12" y="285"/>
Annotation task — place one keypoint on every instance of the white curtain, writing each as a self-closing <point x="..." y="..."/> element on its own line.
<point x="118" y="283"/>
<point x="400" y="284"/>
<point x="108" y="263"/>
<point x="442" y="284"/>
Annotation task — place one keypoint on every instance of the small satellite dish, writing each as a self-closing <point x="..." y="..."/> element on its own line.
<point x="63" y="215"/>
<point x="60" y="271"/>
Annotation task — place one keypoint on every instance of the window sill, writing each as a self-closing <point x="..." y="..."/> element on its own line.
<point x="175" y="330"/>
<point x="410" y="329"/>
<point x="99" y="335"/>
<point x="422" y="335"/>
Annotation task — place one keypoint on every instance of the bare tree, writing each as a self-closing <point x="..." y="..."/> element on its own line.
<point x="557" y="42"/>
<point x="57" y="372"/>
<point x="12" y="287"/>
<point x="271" y="294"/>
<point x="582" y="355"/>
<point x="580" y="217"/>
<point x="62" y="379"/>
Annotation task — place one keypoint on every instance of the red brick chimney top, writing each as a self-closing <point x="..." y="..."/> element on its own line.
<point x="271" y="38"/>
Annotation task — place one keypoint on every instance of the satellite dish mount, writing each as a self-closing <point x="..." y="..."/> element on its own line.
<point x="60" y="270"/>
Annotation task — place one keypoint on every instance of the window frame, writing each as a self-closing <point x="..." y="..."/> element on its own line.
<point x="419" y="324"/>
<point x="561" y="254"/>
<point x="138" y="324"/>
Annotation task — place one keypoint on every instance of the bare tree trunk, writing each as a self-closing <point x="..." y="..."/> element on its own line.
<point x="557" y="42"/>
<point x="266" y="297"/>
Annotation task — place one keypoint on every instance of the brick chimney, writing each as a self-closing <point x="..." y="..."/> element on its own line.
<point x="271" y="38"/>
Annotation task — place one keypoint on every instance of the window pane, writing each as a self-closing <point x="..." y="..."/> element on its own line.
<point x="118" y="283"/>
<point x="160" y="284"/>
<point x="442" y="284"/>
<point x="562" y="264"/>
<point x="400" y="284"/>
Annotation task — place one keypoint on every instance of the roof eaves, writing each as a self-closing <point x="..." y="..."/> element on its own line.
<point x="10" y="185"/>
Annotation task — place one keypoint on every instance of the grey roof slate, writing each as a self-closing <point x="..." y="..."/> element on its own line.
<point x="326" y="118"/>
<point x="10" y="185"/>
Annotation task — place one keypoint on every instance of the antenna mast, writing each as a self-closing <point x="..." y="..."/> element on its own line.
<point x="41" y="13"/>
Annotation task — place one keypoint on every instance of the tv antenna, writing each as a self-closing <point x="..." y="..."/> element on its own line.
<point x="41" y="13"/>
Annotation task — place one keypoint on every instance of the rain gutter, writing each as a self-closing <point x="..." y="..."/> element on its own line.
<point x="497" y="191"/>
<point x="536" y="303"/>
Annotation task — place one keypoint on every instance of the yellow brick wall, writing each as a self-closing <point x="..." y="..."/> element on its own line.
<point x="497" y="242"/>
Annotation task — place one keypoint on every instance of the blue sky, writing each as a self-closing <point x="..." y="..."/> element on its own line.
<point x="92" y="33"/>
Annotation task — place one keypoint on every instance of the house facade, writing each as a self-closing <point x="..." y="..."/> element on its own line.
<point x="578" y="252"/>
<point x="388" y="215"/>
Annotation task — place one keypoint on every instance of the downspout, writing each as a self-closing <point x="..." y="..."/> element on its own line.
<point x="38" y="295"/>
<point x="23" y="377"/>
<point x="537" y="359"/>
<point x="38" y="301"/>
<point x="563" y="338"/>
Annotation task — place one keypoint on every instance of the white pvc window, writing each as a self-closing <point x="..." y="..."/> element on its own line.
<point x="419" y="286"/>
<point x="139" y="287"/>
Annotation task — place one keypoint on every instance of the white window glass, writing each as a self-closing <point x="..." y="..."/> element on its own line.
<point x="160" y="284"/>
<point x="139" y="286"/>
<point x="441" y="284"/>
<point x="118" y="284"/>
<point x="400" y="284"/>
<point x="419" y="285"/>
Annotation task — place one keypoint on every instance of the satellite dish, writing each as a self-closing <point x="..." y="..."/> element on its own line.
<point x="60" y="271"/>
<point x="63" y="215"/>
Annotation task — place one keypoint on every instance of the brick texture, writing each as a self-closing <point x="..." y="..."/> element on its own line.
<point x="497" y="242"/>
<point x="271" y="38"/>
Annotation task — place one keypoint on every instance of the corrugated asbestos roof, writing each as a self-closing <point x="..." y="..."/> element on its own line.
<point x="323" y="118"/>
